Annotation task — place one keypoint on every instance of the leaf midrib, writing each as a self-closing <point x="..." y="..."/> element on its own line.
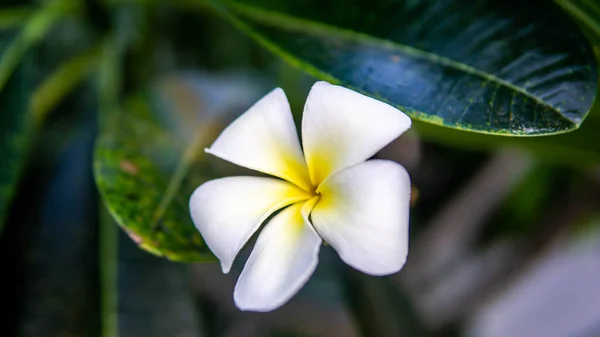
<point x="188" y="157"/>
<point x="293" y="23"/>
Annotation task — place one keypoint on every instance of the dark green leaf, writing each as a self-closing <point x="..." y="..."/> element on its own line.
<point x="12" y="17"/>
<point x="502" y="67"/>
<point x="580" y="148"/>
<point x="61" y="82"/>
<point x="34" y="30"/>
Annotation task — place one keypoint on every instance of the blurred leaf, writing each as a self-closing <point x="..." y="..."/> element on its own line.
<point x="61" y="288"/>
<point x="145" y="280"/>
<point x="16" y="131"/>
<point x="109" y="91"/>
<point x="527" y="203"/>
<point x="61" y="82"/>
<point x="148" y="162"/>
<point x="14" y="16"/>
<point x="30" y="228"/>
<point x="588" y="227"/>
<point x="585" y="11"/>
<point x="17" y="124"/>
<point x="34" y="30"/>
<point x="379" y="306"/>
<point x="108" y="255"/>
<point x="501" y="67"/>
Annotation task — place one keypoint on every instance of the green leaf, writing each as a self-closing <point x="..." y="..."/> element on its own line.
<point x="14" y="16"/>
<point x="61" y="82"/>
<point x="499" y="67"/>
<point x="35" y="29"/>
<point x="149" y="159"/>
<point x="579" y="149"/>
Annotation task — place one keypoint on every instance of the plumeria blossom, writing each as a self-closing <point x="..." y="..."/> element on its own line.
<point x="324" y="190"/>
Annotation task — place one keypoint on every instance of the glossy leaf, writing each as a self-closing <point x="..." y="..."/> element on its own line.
<point x="501" y="67"/>
<point x="580" y="148"/>
<point x="149" y="159"/>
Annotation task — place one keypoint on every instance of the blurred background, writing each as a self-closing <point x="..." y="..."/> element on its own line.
<point x="505" y="231"/>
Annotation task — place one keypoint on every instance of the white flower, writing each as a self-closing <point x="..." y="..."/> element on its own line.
<point x="327" y="191"/>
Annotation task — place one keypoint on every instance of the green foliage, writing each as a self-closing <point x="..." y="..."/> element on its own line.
<point x="489" y="67"/>
<point x="18" y="121"/>
<point x="33" y="31"/>
<point x="16" y="129"/>
<point x="527" y="203"/>
<point x="148" y="162"/>
<point x="494" y="68"/>
<point x="61" y="82"/>
<point x="580" y="148"/>
<point x="13" y="17"/>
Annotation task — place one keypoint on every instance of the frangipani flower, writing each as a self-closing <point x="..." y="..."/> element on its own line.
<point x="326" y="191"/>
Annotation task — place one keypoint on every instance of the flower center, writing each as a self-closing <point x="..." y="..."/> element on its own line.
<point x="313" y="191"/>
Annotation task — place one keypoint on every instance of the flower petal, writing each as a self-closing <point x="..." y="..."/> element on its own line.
<point x="341" y="127"/>
<point x="264" y="139"/>
<point x="228" y="211"/>
<point x="283" y="259"/>
<point x="363" y="214"/>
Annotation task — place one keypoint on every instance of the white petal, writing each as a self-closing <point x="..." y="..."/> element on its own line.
<point x="264" y="139"/>
<point x="283" y="259"/>
<point x="228" y="211"/>
<point x="363" y="214"/>
<point x="341" y="127"/>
